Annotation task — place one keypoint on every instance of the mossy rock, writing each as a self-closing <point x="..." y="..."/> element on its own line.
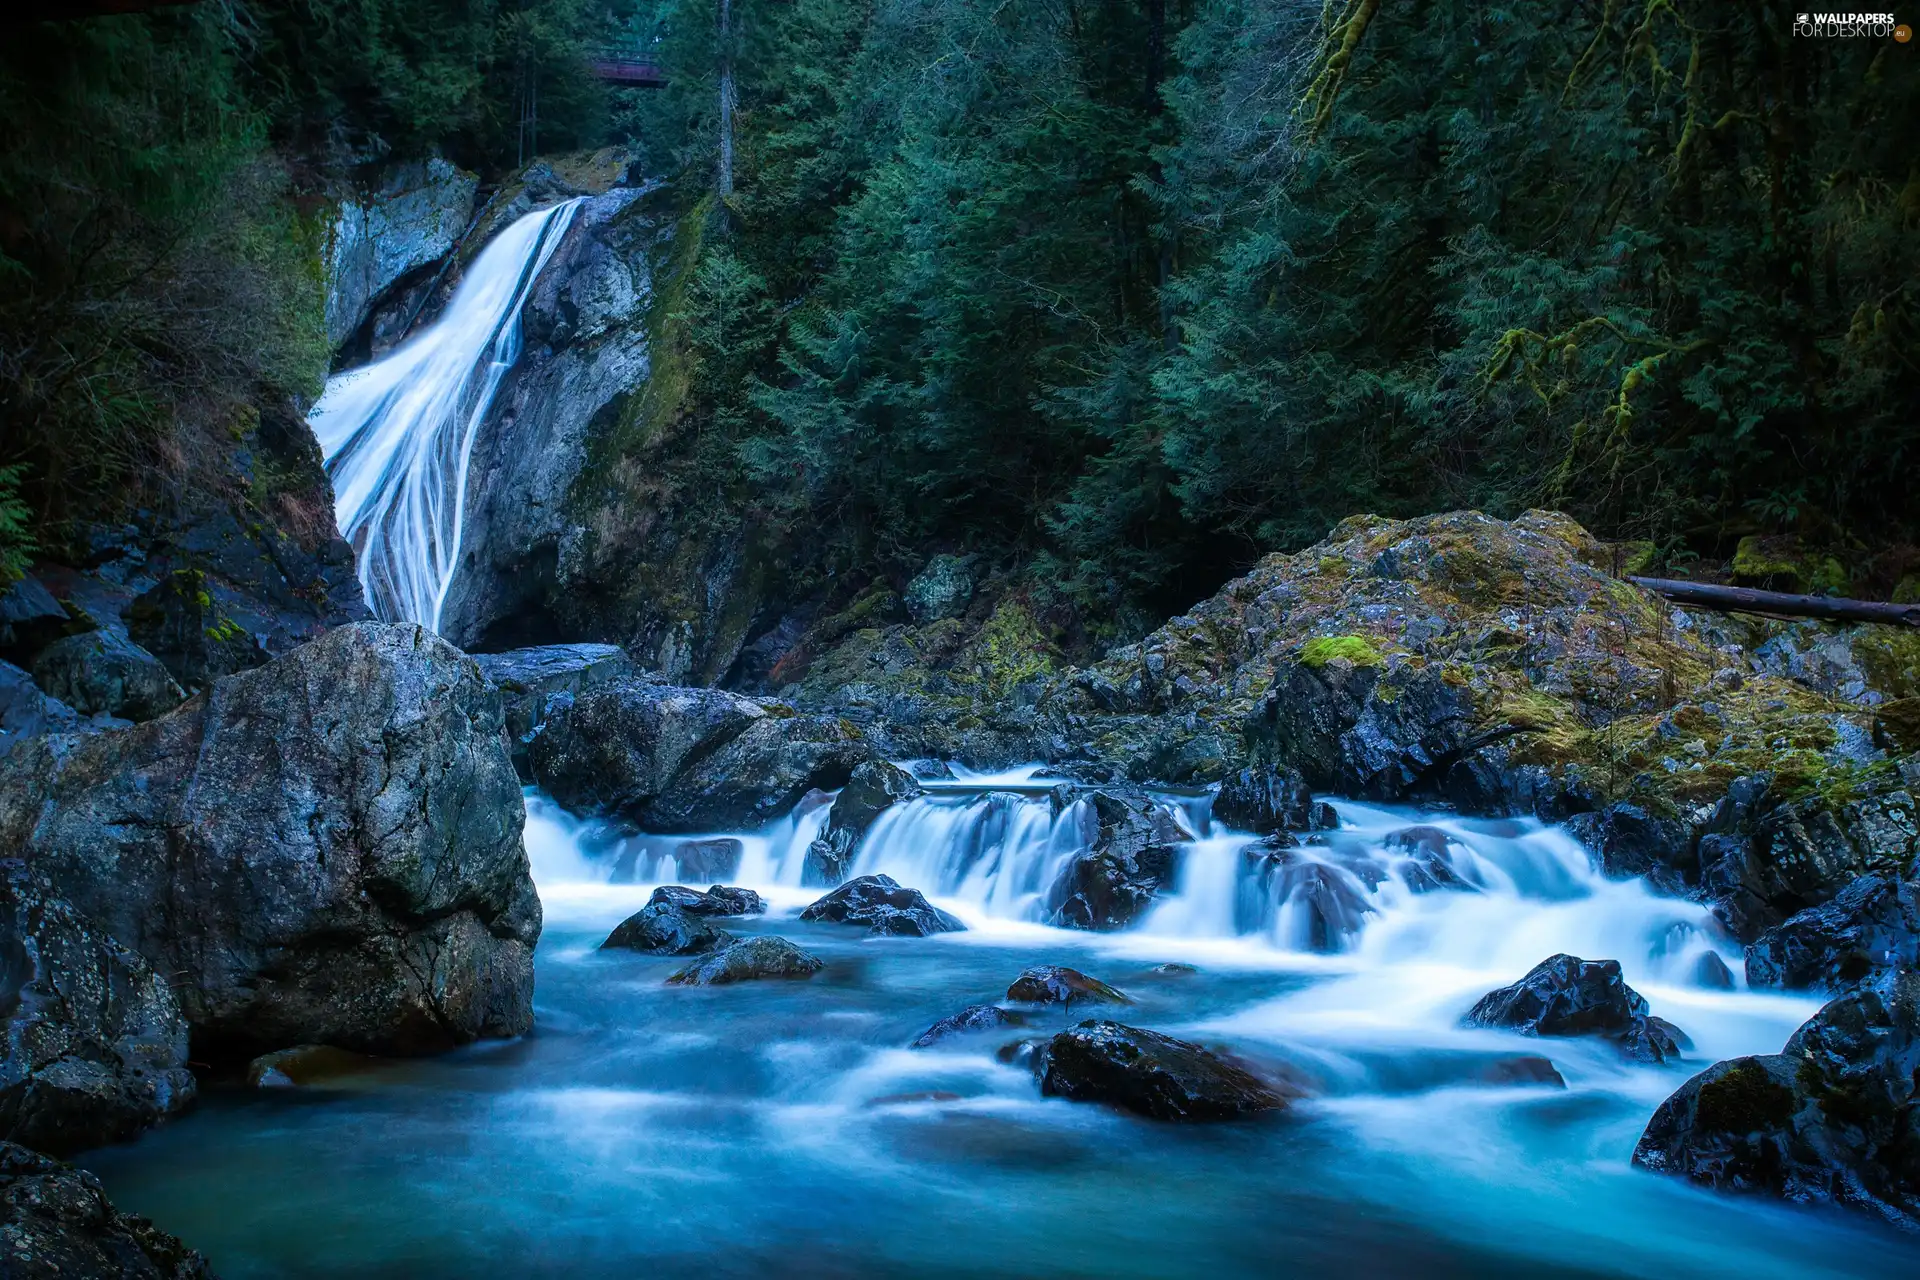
<point x="1744" y="1100"/>
<point x="1782" y="564"/>
<point x="1357" y="650"/>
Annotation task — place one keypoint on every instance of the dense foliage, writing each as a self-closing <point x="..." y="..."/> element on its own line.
<point x="1139" y="291"/>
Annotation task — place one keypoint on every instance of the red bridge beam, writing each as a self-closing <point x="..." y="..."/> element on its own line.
<point x="629" y="71"/>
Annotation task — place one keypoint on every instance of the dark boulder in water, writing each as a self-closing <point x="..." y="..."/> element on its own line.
<point x="1874" y="925"/>
<point x="1057" y="984"/>
<point x="973" y="1018"/>
<point x="1429" y="860"/>
<point x="1267" y="799"/>
<point x="1567" y="996"/>
<point x="1331" y="901"/>
<point x="99" y="673"/>
<point x="1834" y="1117"/>
<point x="95" y="1047"/>
<point x="763" y="957"/>
<point x="1151" y="1074"/>
<point x="1133" y="851"/>
<point x="1521" y="1069"/>
<point x="712" y="859"/>
<point x="57" y="1221"/>
<point x="871" y="790"/>
<point x="885" y="906"/>
<point x="720" y="900"/>
<point x="1711" y="971"/>
<point x="663" y="929"/>
<point x="323" y="850"/>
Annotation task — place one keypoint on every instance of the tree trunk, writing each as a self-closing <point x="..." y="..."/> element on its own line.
<point x="1707" y="595"/>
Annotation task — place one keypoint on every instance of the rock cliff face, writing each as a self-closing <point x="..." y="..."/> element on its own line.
<point x="323" y="850"/>
<point x="399" y="219"/>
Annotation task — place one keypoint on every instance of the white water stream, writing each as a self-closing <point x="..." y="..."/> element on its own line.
<point x="398" y="434"/>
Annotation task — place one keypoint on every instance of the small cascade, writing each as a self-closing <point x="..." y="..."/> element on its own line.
<point x="398" y="434"/>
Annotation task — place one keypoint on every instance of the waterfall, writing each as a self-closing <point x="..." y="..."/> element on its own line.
<point x="397" y="434"/>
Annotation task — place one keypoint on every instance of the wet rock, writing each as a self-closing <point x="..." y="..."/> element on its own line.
<point x="95" y="1046"/>
<point x="762" y="957"/>
<point x="707" y="859"/>
<point x="1151" y="1074"/>
<point x="412" y="214"/>
<point x="1174" y="969"/>
<point x="1029" y="1054"/>
<point x="305" y="1065"/>
<point x="872" y="788"/>
<point x="100" y="673"/>
<point x="30" y="617"/>
<point x="1329" y="903"/>
<point x="1267" y="799"/>
<point x="1429" y="862"/>
<point x="884" y="905"/>
<point x="612" y="750"/>
<point x="720" y="900"/>
<point x="1521" y="1069"/>
<point x="664" y="929"/>
<point x="973" y="1018"/>
<point x="326" y="850"/>
<point x="27" y="712"/>
<point x="1567" y="996"/>
<point x="1711" y="972"/>
<point x="941" y="590"/>
<point x="1872" y="926"/>
<point x="1834" y="1117"/>
<point x="759" y="775"/>
<point x="57" y="1221"/>
<point x="1630" y="841"/>
<point x="180" y="622"/>
<point x="1057" y="984"/>
<point x="1133" y="851"/>
<point x="530" y="680"/>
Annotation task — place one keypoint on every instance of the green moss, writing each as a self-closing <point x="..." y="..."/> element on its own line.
<point x="1358" y="650"/>
<point x="1744" y="1100"/>
<point x="1781" y="564"/>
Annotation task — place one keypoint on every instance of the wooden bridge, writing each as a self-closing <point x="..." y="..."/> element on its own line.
<point x="628" y="69"/>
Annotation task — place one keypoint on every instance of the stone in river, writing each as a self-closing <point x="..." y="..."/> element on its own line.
<point x="663" y="929"/>
<point x="885" y="906"/>
<point x="973" y="1018"/>
<point x="1057" y="984"/>
<point x="1151" y="1074"/>
<point x="719" y="900"/>
<point x="763" y="957"/>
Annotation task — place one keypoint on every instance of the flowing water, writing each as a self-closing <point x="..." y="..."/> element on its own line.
<point x="783" y="1127"/>
<point x="397" y="434"/>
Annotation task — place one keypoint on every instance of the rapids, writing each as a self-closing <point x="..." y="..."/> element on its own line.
<point x="783" y="1128"/>
<point x="398" y="434"/>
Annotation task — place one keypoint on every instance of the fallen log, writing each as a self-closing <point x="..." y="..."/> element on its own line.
<point x="1707" y="595"/>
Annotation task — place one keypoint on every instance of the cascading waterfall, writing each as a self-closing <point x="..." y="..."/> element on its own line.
<point x="398" y="434"/>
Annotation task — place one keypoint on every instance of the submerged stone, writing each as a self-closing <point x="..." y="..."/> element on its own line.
<point x="1151" y="1074"/>
<point x="304" y="1065"/>
<point x="1057" y="984"/>
<point x="973" y="1018"/>
<point x="763" y="957"/>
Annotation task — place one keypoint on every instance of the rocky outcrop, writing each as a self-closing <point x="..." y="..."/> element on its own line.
<point x="720" y="900"/>
<point x="1567" y="996"/>
<point x="530" y="679"/>
<point x="95" y="1045"/>
<point x="1834" y="1117"/>
<point x="56" y="1221"/>
<point x="1265" y="800"/>
<point x="404" y="217"/>
<point x="665" y="929"/>
<point x="1151" y="1074"/>
<point x="1057" y="984"/>
<point x="100" y="673"/>
<point x="971" y="1020"/>
<point x="326" y="849"/>
<point x="612" y="750"/>
<point x="1132" y="852"/>
<point x="757" y="776"/>
<point x="941" y="590"/>
<point x="872" y="788"/>
<point x="886" y="907"/>
<point x="1874" y="925"/>
<point x="746" y="961"/>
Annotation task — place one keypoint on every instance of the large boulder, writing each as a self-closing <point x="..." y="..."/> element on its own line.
<point x="1266" y="799"/>
<point x="95" y="1045"/>
<point x="531" y="679"/>
<point x="100" y="673"/>
<point x="885" y="906"/>
<point x="1834" y="1117"/>
<point x="26" y="711"/>
<point x="56" y="1221"/>
<point x="663" y="929"/>
<point x="749" y="959"/>
<point x="759" y="775"/>
<point x="611" y="750"/>
<point x="323" y="850"/>
<point x="1564" y="995"/>
<point x="1873" y="925"/>
<point x="872" y="788"/>
<point x="1152" y="1074"/>
<point x="1132" y="852"/>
